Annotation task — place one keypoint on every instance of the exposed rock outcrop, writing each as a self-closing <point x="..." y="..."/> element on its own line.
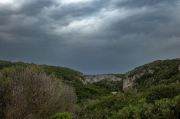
<point x="96" y="78"/>
<point x="179" y="68"/>
<point x="129" y="80"/>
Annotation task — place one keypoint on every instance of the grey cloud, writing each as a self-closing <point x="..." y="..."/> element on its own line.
<point x="78" y="10"/>
<point x="35" y="7"/>
<point x="42" y="32"/>
<point x="156" y="23"/>
<point x="130" y="4"/>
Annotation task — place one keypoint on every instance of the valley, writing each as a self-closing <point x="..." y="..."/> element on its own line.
<point x="139" y="93"/>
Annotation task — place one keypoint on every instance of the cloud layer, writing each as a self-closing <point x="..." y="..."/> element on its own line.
<point x="91" y="36"/>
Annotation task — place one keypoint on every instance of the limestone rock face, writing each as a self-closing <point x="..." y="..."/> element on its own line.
<point x="96" y="78"/>
<point x="129" y="81"/>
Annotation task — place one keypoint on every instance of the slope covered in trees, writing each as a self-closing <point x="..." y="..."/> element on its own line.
<point x="155" y="73"/>
<point x="70" y="77"/>
<point x="155" y="93"/>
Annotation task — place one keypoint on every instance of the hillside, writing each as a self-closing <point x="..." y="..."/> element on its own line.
<point x="71" y="77"/>
<point x="154" y="73"/>
<point x="148" y="91"/>
<point x="63" y="73"/>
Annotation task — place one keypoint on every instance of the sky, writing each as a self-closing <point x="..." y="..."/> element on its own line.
<point x="90" y="36"/>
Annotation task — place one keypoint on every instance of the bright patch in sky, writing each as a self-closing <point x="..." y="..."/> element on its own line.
<point x="6" y="1"/>
<point x="75" y="1"/>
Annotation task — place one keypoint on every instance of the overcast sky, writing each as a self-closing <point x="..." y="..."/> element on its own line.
<point x="90" y="36"/>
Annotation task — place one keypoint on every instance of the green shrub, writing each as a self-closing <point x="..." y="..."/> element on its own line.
<point x="162" y="91"/>
<point x="64" y="115"/>
<point x="26" y="93"/>
<point x="161" y="109"/>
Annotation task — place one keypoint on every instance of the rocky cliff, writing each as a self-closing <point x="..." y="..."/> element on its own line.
<point x="130" y="79"/>
<point x="154" y="71"/>
<point x="96" y="78"/>
<point x="157" y="71"/>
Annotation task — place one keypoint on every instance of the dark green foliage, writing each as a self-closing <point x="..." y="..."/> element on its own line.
<point x="107" y="106"/>
<point x="156" y="94"/>
<point x="64" y="115"/>
<point x="6" y="64"/>
<point x="143" y="77"/>
<point x="158" y="65"/>
<point x="158" y="102"/>
<point x="162" y="91"/>
<point x="164" y="72"/>
<point x="110" y="86"/>
<point x="161" y="109"/>
<point x="70" y="76"/>
<point x="119" y="75"/>
<point x="63" y="73"/>
<point x="97" y="90"/>
<point x="88" y="91"/>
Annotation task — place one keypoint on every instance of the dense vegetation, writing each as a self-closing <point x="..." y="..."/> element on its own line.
<point x="110" y="86"/>
<point x="97" y="90"/>
<point x="27" y="92"/>
<point x="164" y="72"/>
<point x="156" y="102"/>
<point x="155" y="94"/>
<point x="71" y="77"/>
<point x="63" y="73"/>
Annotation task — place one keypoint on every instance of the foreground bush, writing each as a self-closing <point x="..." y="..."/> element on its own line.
<point x="27" y="93"/>
<point x="161" y="109"/>
<point x="154" y="103"/>
<point x="162" y="91"/>
<point x="64" y="115"/>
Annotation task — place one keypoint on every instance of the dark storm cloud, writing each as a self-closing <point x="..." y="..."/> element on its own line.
<point x="31" y="8"/>
<point x="92" y="36"/>
<point x="35" y="7"/>
<point x="148" y="21"/>
<point x="76" y="10"/>
<point x="141" y="3"/>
